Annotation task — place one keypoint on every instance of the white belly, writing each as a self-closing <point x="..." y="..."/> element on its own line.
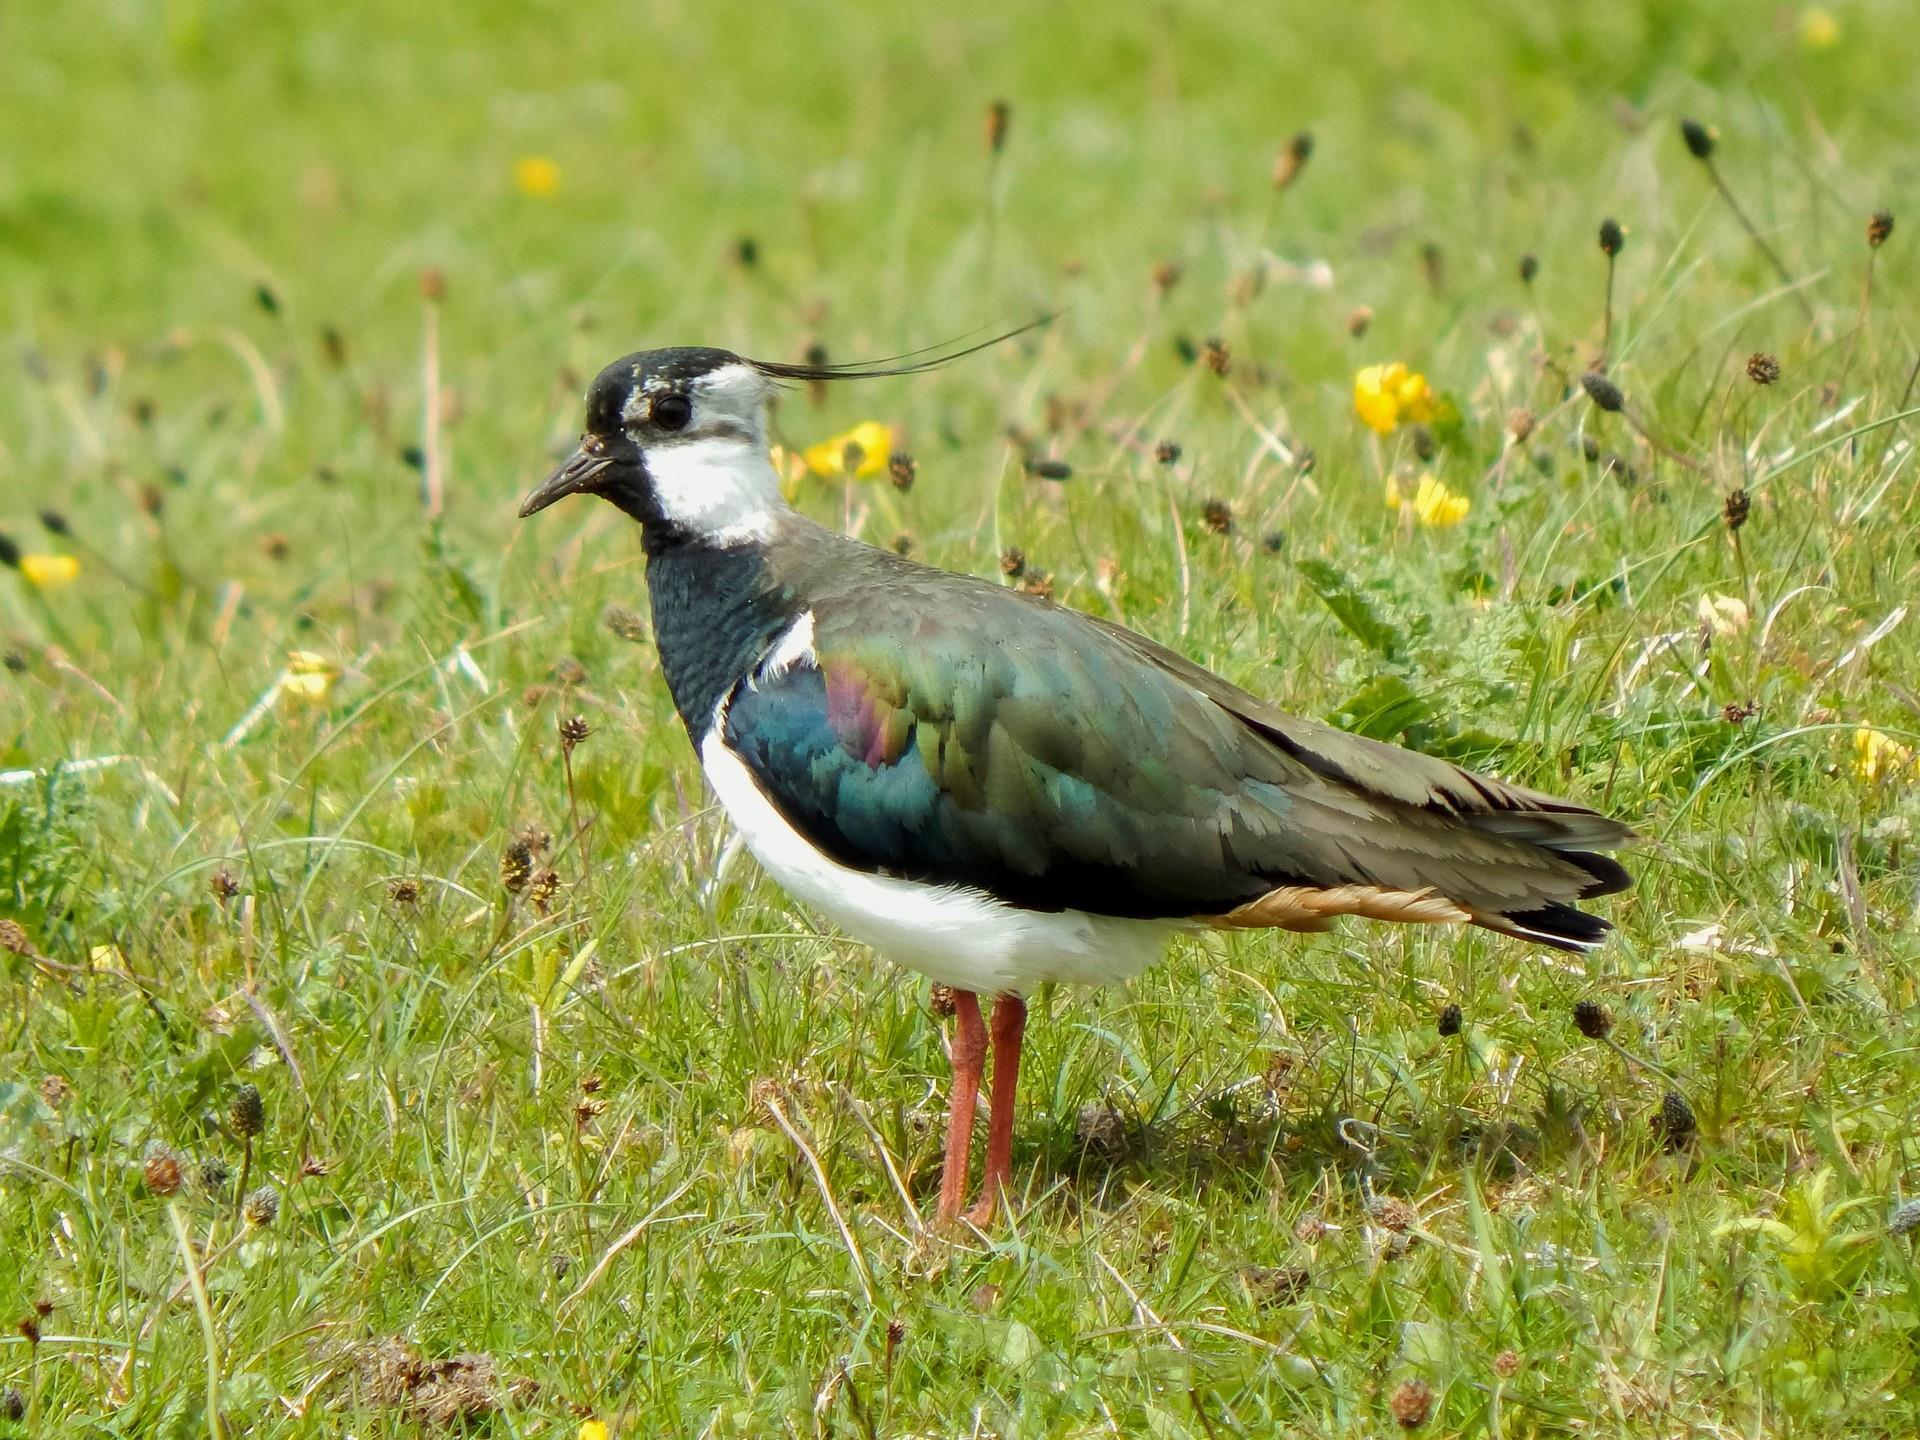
<point x="955" y="934"/>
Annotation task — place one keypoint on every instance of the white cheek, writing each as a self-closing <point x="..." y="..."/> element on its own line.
<point x="720" y="487"/>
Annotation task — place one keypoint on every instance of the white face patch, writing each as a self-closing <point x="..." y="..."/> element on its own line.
<point x="714" y="477"/>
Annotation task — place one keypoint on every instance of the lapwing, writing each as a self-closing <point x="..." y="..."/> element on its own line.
<point x="998" y="791"/>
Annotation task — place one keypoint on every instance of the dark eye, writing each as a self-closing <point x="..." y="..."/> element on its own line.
<point x="671" y="412"/>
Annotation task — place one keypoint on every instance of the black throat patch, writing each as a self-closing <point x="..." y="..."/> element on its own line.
<point x="715" y="613"/>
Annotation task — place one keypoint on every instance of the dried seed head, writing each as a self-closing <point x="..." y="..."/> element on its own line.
<point x="29" y="1328"/>
<point x="1603" y="392"/>
<point x="999" y="117"/>
<point x="940" y="1000"/>
<point x="1359" y="320"/>
<point x="1166" y="452"/>
<point x="1292" y="159"/>
<point x="1613" y="238"/>
<point x="542" y="888"/>
<point x="573" y="731"/>
<point x="404" y="891"/>
<point x="213" y="1176"/>
<point x="55" y="1091"/>
<point x="162" y="1173"/>
<point x="223" y="885"/>
<point x="1433" y="261"/>
<point x="15" y="662"/>
<point x="1411" y="1404"/>
<point x="9" y="552"/>
<point x="1529" y="268"/>
<point x="1037" y="582"/>
<point x="1592" y="1019"/>
<point x="1520" y="425"/>
<point x="902" y="543"/>
<point x="516" y="866"/>
<point x="433" y="284"/>
<point x="1219" y="359"/>
<point x="1425" y="446"/>
<point x="1044" y="468"/>
<point x="13" y="938"/>
<point x="1166" y="275"/>
<point x="1905" y="1220"/>
<point x="55" y="522"/>
<point x="1879" y="228"/>
<point x="247" y="1112"/>
<point x="1217" y="516"/>
<point x="1451" y="1019"/>
<point x="901" y="470"/>
<point x="13" y="1405"/>
<point x="1701" y="139"/>
<point x="1101" y="1127"/>
<point x="1507" y="1364"/>
<point x="1274" y="541"/>
<point x="1762" y="368"/>
<point x="567" y="671"/>
<point x="1738" y="506"/>
<point x="1738" y="712"/>
<point x="1310" y="1229"/>
<point x="261" y="1207"/>
<point x="1392" y="1213"/>
<point x="625" y="623"/>
<point x="1676" y="1120"/>
<point x="1013" y="562"/>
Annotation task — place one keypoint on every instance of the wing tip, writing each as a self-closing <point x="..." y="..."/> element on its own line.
<point x="1559" y="925"/>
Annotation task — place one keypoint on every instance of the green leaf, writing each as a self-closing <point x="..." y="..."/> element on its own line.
<point x="1352" y="607"/>
<point x="1383" y="709"/>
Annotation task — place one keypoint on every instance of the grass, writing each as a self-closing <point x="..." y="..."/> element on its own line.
<point x="640" y="1157"/>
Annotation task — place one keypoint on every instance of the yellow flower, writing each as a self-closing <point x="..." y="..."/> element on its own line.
<point x="536" y="175"/>
<point x="308" y="676"/>
<point x="1818" y="29"/>
<point x="1433" y="504"/>
<point x="1878" y="756"/>
<point x="1386" y="395"/>
<point x="593" y="1430"/>
<point x="50" y="572"/>
<point x="862" y="452"/>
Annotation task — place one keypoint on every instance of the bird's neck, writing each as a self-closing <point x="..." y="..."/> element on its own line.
<point x="717" y="609"/>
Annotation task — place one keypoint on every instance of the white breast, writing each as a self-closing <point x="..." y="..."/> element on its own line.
<point x="958" y="935"/>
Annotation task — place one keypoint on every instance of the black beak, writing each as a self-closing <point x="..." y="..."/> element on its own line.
<point x="580" y="473"/>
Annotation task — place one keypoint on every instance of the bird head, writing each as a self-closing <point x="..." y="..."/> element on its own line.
<point x="677" y="438"/>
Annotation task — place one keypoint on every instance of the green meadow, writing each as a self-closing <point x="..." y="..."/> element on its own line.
<point x="374" y="1063"/>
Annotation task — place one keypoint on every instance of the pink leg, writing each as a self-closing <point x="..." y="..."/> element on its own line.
<point x="969" y="1058"/>
<point x="1009" y="1025"/>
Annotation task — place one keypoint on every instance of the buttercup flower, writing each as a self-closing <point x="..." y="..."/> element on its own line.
<point x="1432" y="503"/>
<point x="862" y="452"/>
<point x="49" y="572"/>
<point x="1388" y="395"/>
<point x="1818" y="29"/>
<point x="308" y="676"/>
<point x="593" y="1430"/>
<point x="536" y="176"/>
<point x="1878" y="756"/>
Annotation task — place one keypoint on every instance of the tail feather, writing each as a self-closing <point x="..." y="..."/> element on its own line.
<point x="1560" y="925"/>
